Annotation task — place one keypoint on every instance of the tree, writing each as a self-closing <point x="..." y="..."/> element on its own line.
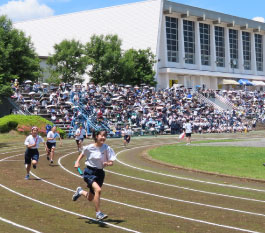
<point x="110" y="64"/>
<point x="137" y="67"/>
<point x="18" y="59"/>
<point x="69" y="61"/>
<point x="105" y="54"/>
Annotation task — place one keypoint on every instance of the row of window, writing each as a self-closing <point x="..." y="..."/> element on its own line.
<point x="172" y="34"/>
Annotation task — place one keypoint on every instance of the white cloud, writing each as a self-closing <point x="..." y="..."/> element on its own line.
<point x="25" y="9"/>
<point x="259" y="19"/>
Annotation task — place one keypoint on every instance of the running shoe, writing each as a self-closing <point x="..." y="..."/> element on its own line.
<point x="77" y="195"/>
<point x="27" y="177"/>
<point x="34" y="166"/>
<point x="51" y="161"/>
<point x="101" y="216"/>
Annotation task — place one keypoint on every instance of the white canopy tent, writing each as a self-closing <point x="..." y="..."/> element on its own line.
<point x="258" y="83"/>
<point x="230" y="82"/>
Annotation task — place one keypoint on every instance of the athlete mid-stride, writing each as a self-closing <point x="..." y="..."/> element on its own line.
<point x="51" y="143"/>
<point x="32" y="154"/>
<point x="98" y="155"/>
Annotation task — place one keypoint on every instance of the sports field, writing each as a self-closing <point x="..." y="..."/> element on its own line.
<point x="139" y="195"/>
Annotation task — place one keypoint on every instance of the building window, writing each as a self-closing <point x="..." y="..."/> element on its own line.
<point x="189" y="41"/>
<point x="259" y="53"/>
<point x="205" y="44"/>
<point x="233" y="42"/>
<point x="172" y="39"/>
<point x="246" y="50"/>
<point x="220" y="46"/>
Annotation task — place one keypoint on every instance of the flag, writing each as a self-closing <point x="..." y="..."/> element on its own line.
<point x="181" y="136"/>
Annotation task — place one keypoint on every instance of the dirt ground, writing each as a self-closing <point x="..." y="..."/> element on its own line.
<point x="138" y="195"/>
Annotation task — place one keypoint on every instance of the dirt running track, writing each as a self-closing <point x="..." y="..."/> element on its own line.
<point x="138" y="195"/>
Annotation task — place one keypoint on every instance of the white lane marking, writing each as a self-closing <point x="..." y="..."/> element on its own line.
<point x="183" y="178"/>
<point x="181" y="187"/>
<point x="150" y="210"/>
<point x="18" y="160"/>
<point x="18" y="225"/>
<point x="13" y="156"/>
<point x="64" y="210"/>
<point x="164" y="197"/>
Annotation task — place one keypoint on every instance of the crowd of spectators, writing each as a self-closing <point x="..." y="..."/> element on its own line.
<point x="145" y="109"/>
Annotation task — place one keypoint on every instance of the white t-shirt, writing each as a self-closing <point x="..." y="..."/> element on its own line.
<point x="187" y="127"/>
<point x="127" y="132"/>
<point x="30" y="140"/>
<point x="78" y="131"/>
<point x="52" y="135"/>
<point x="96" y="156"/>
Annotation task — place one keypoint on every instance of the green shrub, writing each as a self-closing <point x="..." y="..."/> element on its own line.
<point x="23" y="124"/>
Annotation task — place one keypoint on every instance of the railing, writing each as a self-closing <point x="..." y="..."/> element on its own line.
<point x="18" y="108"/>
<point x="205" y="100"/>
<point x="226" y="101"/>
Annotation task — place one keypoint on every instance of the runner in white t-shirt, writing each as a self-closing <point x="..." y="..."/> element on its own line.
<point x="32" y="154"/>
<point x="80" y="133"/>
<point x="188" y="131"/>
<point x="126" y="133"/>
<point x="51" y="143"/>
<point x="98" y="155"/>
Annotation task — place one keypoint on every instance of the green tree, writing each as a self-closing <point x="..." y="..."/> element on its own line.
<point x="18" y="59"/>
<point x="105" y="54"/>
<point x="69" y="61"/>
<point x="137" y="67"/>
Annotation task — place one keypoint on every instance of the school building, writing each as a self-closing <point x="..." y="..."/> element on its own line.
<point x="193" y="46"/>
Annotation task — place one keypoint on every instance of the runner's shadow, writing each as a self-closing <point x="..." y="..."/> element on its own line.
<point x="54" y="165"/>
<point x="103" y="223"/>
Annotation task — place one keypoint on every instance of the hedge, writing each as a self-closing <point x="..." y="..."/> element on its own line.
<point x="23" y="124"/>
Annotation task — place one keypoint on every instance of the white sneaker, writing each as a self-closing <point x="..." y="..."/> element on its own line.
<point x="77" y="195"/>
<point x="101" y="216"/>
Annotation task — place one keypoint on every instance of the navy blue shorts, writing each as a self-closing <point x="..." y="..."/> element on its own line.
<point x="127" y="138"/>
<point x="93" y="175"/>
<point x="31" y="154"/>
<point x="51" y="145"/>
<point x="188" y="135"/>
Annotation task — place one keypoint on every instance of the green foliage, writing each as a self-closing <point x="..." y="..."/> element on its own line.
<point x="24" y="124"/>
<point x="110" y="64"/>
<point x="105" y="54"/>
<point x="18" y="59"/>
<point x="137" y="67"/>
<point x="68" y="62"/>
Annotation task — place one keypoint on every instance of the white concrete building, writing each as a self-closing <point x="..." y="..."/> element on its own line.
<point x="193" y="46"/>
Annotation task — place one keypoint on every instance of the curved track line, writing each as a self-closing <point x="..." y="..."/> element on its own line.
<point x="179" y="177"/>
<point x="184" y="188"/>
<point x="63" y="210"/>
<point x="18" y="225"/>
<point x="146" y="209"/>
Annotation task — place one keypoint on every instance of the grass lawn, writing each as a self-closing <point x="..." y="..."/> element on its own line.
<point x="235" y="161"/>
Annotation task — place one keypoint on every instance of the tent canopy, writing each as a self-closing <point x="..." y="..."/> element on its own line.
<point x="230" y="81"/>
<point x="258" y="83"/>
<point x="245" y="82"/>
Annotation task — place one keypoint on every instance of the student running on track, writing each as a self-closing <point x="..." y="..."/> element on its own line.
<point x="80" y="133"/>
<point x="51" y="143"/>
<point x="32" y="154"/>
<point x="126" y="135"/>
<point x="98" y="155"/>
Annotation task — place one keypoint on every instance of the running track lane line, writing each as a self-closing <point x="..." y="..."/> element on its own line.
<point x="159" y="196"/>
<point x="181" y="178"/>
<point x="185" y="188"/>
<point x="145" y="209"/>
<point x="67" y="211"/>
<point x="18" y="225"/>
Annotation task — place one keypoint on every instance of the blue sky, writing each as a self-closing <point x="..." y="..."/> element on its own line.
<point x="19" y="10"/>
